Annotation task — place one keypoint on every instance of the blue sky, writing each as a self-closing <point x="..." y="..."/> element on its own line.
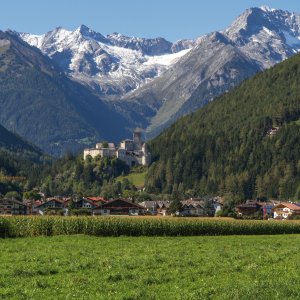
<point x="171" y="19"/>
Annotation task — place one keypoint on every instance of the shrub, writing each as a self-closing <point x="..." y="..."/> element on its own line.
<point x="295" y="217"/>
<point x="80" y="212"/>
<point x="54" y="212"/>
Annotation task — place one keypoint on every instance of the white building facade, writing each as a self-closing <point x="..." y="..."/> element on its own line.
<point x="133" y="152"/>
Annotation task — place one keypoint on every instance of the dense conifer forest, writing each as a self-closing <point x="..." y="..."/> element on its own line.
<point x="72" y="175"/>
<point x="21" y="163"/>
<point x="243" y="145"/>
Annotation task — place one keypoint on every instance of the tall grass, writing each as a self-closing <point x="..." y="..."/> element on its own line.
<point x="27" y="226"/>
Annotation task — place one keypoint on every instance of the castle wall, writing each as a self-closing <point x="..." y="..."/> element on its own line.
<point x="92" y="152"/>
<point x="132" y="152"/>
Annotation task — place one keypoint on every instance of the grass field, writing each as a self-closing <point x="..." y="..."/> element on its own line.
<point x="85" y="267"/>
<point x="138" y="179"/>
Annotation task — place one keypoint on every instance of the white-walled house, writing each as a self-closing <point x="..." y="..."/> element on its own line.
<point x="285" y="210"/>
<point x="50" y="204"/>
<point x="192" y="208"/>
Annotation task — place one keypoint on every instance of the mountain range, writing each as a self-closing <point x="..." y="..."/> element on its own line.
<point x="112" y="65"/>
<point x="65" y="90"/>
<point x="45" y="107"/>
<point x="153" y="82"/>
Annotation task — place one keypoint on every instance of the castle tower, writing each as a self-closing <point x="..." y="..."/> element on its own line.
<point x="137" y="139"/>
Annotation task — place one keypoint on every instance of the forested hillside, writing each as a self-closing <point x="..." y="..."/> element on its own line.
<point x="21" y="163"/>
<point x="11" y="141"/>
<point x="229" y="147"/>
<point x="72" y="175"/>
<point x="45" y="107"/>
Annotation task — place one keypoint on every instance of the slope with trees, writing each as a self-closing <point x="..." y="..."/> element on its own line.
<point x="44" y="106"/>
<point x="226" y="148"/>
<point x="21" y="163"/>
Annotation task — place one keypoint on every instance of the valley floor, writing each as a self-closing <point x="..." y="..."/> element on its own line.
<point x="85" y="267"/>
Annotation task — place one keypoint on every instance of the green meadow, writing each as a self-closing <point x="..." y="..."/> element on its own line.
<point x="199" y="267"/>
<point x="136" y="178"/>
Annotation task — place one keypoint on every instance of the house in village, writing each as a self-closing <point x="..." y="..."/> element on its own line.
<point x="10" y="206"/>
<point x="249" y="208"/>
<point x="192" y="208"/>
<point x="133" y="152"/>
<point x="272" y="131"/>
<point x="286" y="210"/>
<point x="32" y="206"/>
<point x="51" y="204"/>
<point x="62" y="204"/>
<point x="200" y="208"/>
<point x="150" y="207"/>
<point x="252" y="207"/>
<point x="118" y="207"/>
<point x="88" y="202"/>
<point x="267" y="209"/>
<point x="156" y="207"/>
<point x="94" y="205"/>
<point x="217" y="206"/>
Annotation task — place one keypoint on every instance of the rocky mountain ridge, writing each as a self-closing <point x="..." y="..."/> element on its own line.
<point x="153" y="82"/>
<point x="111" y="65"/>
<point x="256" y="40"/>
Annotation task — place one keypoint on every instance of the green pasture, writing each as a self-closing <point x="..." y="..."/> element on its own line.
<point x="138" y="178"/>
<point x="204" y="267"/>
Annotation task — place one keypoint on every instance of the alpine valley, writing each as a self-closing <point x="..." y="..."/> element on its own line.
<point x="153" y="82"/>
<point x="66" y="89"/>
<point x="139" y="168"/>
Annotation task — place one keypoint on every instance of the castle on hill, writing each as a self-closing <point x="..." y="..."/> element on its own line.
<point x="132" y="152"/>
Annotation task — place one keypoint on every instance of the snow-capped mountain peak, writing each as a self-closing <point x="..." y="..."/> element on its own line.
<point x="155" y="80"/>
<point x="267" y="35"/>
<point x="112" y="65"/>
<point x="253" y="19"/>
<point x="88" y="33"/>
<point x="267" y="8"/>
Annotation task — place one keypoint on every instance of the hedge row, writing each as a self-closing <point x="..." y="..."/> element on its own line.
<point x="25" y="226"/>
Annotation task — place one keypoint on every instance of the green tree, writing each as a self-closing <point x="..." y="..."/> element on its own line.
<point x="176" y="205"/>
<point x="13" y="195"/>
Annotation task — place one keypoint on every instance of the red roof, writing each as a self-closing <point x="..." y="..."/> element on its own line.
<point x="291" y="206"/>
<point x="96" y="199"/>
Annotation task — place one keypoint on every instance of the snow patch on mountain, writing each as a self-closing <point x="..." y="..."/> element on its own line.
<point x="165" y="60"/>
<point x="112" y="65"/>
<point x="154" y="81"/>
<point x="267" y="8"/>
